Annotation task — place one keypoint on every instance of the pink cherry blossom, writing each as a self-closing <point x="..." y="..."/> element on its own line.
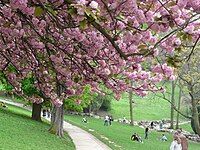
<point x="94" y="4"/>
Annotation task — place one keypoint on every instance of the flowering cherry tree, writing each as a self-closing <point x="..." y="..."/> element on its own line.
<point x="67" y="44"/>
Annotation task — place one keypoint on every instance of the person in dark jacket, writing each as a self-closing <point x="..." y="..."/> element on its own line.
<point x="151" y="125"/>
<point x="110" y="120"/>
<point x="44" y="111"/>
<point x="134" y="137"/>
<point x="146" y="132"/>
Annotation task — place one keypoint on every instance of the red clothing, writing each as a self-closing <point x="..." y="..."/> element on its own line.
<point x="184" y="142"/>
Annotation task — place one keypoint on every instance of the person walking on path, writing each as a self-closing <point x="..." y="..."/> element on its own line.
<point x="146" y="132"/>
<point x="176" y="143"/>
<point x="184" y="141"/>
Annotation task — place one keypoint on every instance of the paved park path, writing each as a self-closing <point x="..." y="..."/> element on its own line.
<point x="82" y="139"/>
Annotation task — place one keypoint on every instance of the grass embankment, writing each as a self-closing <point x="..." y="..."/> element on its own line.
<point x="120" y="135"/>
<point x="19" y="132"/>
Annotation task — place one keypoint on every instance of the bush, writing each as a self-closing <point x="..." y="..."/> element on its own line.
<point x="106" y="105"/>
<point x="101" y="102"/>
<point x="79" y="102"/>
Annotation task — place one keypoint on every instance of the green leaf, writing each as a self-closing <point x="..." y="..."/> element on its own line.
<point x="83" y="24"/>
<point x="72" y="11"/>
<point x="76" y="79"/>
<point x="189" y="37"/>
<point x="90" y="14"/>
<point x="144" y="26"/>
<point x="51" y="10"/>
<point x="120" y="17"/>
<point x="142" y="46"/>
<point x="38" y="11"/>
<point x="178" y="49"/>
<point x="184" y="37"/>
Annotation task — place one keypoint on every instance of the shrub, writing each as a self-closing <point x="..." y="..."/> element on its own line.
<point x="101" y="102"/>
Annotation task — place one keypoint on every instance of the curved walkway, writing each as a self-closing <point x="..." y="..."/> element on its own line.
<point x="82" y="139"/>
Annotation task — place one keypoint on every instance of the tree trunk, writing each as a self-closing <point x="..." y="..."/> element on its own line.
<point x="179" y="106"/>
<point x="195" y="117"/>
<point x="172" y="106"/>
<point x="57" y="121"/>
<point x="57" y="116"/>
<point x="36" y="111"/>
<point x="131" y="105"/>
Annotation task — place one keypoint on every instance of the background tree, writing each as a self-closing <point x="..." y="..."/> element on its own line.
<point x="178" y="107"/>
<point x="190" y="78"/>
<point x="131" y="105"/>
<point x="30" y="90"/>
<point x="172" y="104"/>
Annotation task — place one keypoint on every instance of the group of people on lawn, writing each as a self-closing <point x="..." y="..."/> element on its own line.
<point x="46" y="112"/>
<point x="179" y="140"/>
<point x="107" y="120"/>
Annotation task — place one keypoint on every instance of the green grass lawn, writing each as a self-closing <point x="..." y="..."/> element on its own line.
<point x="147" y="108"/>
<point x="150" y="107"/>
<point x="187" y="127"/>
<point x="19" y="132"/>
<point x="120" y="135"/>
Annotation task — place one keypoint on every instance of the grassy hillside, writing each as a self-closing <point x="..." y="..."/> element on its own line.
<point x="147" y="108"/>
<point x="151" y="107"/>
<point x="120" y="135"/>
<point x="19" y="132"/>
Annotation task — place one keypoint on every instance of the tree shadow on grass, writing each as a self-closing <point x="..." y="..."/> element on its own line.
<point x="20" y="115"/>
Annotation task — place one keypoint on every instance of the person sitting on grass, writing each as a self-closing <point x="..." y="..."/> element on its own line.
<point x="84" y="120"/>
<point x="2" y="104"/>
<point x="124" y="119"/>
<point x="136" y="137"/>
<point x="140" y="139"/>
<point x="163" y="138"/>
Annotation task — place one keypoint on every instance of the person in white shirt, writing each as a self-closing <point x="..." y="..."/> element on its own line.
<point x="176" y="143"/>
<point x="106" y="120"/>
